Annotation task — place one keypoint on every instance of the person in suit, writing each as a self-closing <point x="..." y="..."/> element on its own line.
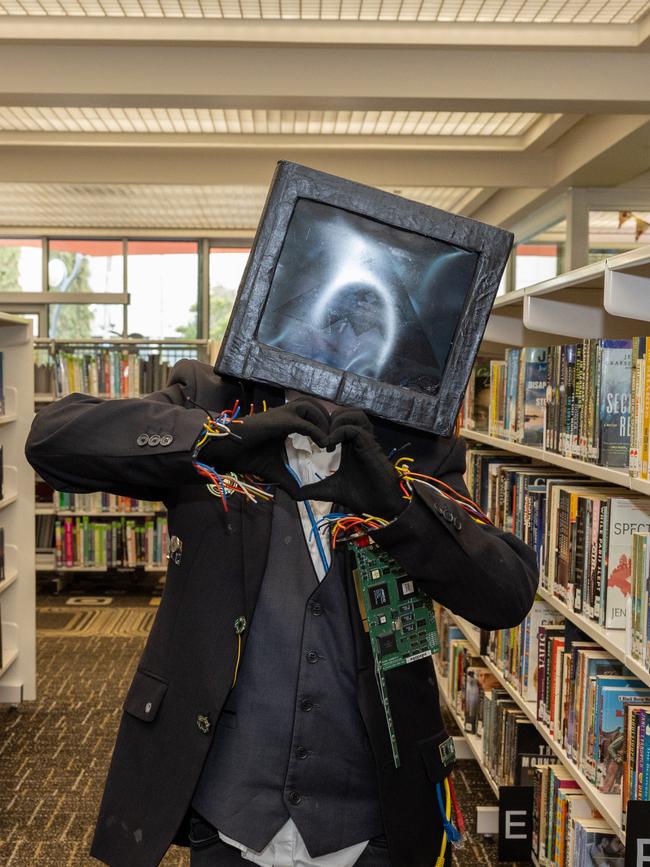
<point x="253" y="727"/>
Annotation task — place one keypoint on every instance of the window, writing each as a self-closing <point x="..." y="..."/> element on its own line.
<point x="21" y="264"/>
<point x="541" y="256"/>
<point x="81" y="321"/>
<point x="163" y="283"/>
<point x="612" y="232"/>
<point x="226" y="268"/>
<point x="85" y="266"/>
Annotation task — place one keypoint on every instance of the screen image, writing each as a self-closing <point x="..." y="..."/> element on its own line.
<point x="362" y="296"/>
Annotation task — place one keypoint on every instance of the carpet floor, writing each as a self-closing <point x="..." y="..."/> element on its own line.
<point x="54" y="752"/>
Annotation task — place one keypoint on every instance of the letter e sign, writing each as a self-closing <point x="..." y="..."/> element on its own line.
<point x="516" y="823"/>
<point x="637" y="834"/>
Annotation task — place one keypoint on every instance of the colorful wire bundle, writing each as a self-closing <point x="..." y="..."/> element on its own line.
<point x="408" y="476"/>
<point x="450" y="832"/>
<point x="224" y="486"/>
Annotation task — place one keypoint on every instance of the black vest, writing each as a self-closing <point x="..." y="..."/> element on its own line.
<point x="290" y="741"/>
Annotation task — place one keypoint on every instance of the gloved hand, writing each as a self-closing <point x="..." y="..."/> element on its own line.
<point x="365" y="481"/>
<point x="258" y="445"/>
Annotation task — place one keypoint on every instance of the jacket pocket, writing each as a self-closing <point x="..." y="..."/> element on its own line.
<point x="145" y="695"/>
<point x="438" y="754"/>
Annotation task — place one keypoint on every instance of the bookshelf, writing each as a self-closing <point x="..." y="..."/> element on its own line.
<point x="608" y="805"/>
<point x="609" y="299"/>
<point x="93" y="366"/>
<point x="17" y="590"/>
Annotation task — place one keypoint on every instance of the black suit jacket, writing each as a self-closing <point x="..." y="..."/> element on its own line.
<point x="83" y="443"/>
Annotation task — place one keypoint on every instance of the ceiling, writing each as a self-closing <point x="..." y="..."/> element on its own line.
<point x="170" y="115"/>
<point x="138" y="206"/>
<point x="484" y="11"/>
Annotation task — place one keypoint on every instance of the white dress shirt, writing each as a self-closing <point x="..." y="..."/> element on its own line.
<point x="287" y="848"/>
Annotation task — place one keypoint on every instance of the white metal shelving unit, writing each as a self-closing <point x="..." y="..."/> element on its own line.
<point x="608" y="805"/>
<point x="17" y="591"/>
<point x="610" y="298"/>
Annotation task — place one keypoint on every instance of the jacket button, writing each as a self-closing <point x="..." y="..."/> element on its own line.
<point x="166" y="440"/>
<point x="316" y="609"/>
<point x="203" y="723"/>
<point x="142" y="440"/>
<point x="147" y="707"/>
<point x="301" y="753"/>
<point x="312" y="656"/>
<point x="306" y="704"/>
<point x="294" y="798"/>
<point x="154" y="440"/>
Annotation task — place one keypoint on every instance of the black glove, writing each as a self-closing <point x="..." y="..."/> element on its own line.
<point x="258" y="445"/>
<point x="366" y="481"/>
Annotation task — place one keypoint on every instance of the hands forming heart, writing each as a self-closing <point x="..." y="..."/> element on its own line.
<point x="366" y="481"/>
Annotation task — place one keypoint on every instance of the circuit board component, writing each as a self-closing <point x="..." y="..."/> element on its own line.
<point x="399" y="619"/>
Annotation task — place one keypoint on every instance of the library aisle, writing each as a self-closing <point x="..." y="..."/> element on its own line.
<point x="54" y="752"/>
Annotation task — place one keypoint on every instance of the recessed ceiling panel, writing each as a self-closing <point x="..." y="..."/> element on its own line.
<point x="468" y="11"/>
<point x="264" y="121"/>
<point x="150" y="207"/>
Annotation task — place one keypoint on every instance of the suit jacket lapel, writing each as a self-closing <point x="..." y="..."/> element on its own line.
<point x="255" y="540"/>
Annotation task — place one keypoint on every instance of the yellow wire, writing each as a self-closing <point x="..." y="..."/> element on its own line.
<point x="234" y="681"/>
<point x="264" y="405"/>
<point x="382" y="521"/>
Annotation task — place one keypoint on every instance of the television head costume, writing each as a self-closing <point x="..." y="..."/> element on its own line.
<point x="319" y="716"/>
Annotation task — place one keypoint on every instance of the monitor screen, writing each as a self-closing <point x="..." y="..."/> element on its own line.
<point x="363" y="296"/>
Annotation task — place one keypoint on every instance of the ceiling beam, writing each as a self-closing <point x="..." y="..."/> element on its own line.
<point x="600" y="151"/>
<point x="214" y="31"/>
<point x="338" y="77"/>
<point x="239" y="166"/>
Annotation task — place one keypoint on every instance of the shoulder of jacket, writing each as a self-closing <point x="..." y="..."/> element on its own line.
<point x="198" y="380"/>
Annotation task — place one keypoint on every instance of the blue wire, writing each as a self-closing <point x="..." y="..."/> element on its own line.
<point x="312" y="521"/>
<point x="452" y="833"/>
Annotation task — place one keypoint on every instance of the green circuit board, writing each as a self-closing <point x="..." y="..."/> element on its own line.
<point x="399" y="619"/>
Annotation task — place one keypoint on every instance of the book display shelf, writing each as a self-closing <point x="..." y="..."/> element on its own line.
<point x="98" y="533"/>
<point x="606" y="301"/>
<point x="17" y="586"/>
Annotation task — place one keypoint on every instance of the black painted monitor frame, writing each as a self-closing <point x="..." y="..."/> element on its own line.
<point x="243" y="356"/>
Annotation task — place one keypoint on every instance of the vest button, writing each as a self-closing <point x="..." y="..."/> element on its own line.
<point x="294" y="798"/>
<point x="301" y="753"/>
<point x="312" y="656"/>
<point x="306" y="704"/>
<point x="316" y="609"/>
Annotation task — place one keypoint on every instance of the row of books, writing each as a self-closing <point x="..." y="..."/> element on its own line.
<point x="101" y="372"/>
<point x="583" y="400"/>
<point x="511" y="744"/>
<point x="103" y="502"/>
<point x="118" y="542"/>
<point x="568" y="831"/>
<point x="581" y="529"/>
<point x="588" y="701"/>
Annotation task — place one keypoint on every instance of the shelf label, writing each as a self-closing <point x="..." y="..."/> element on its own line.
<point x="516" y="823"/>
<point x="637" y="834"/>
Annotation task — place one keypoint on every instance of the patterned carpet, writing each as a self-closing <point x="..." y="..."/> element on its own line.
<point x="54" y="751"/>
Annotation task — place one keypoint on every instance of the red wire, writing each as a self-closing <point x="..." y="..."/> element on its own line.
<point x="460" y="822"/>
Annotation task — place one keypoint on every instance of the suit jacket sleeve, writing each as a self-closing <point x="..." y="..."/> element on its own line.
<point x="483" y="574"/>
<point x="81" y="443"/>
